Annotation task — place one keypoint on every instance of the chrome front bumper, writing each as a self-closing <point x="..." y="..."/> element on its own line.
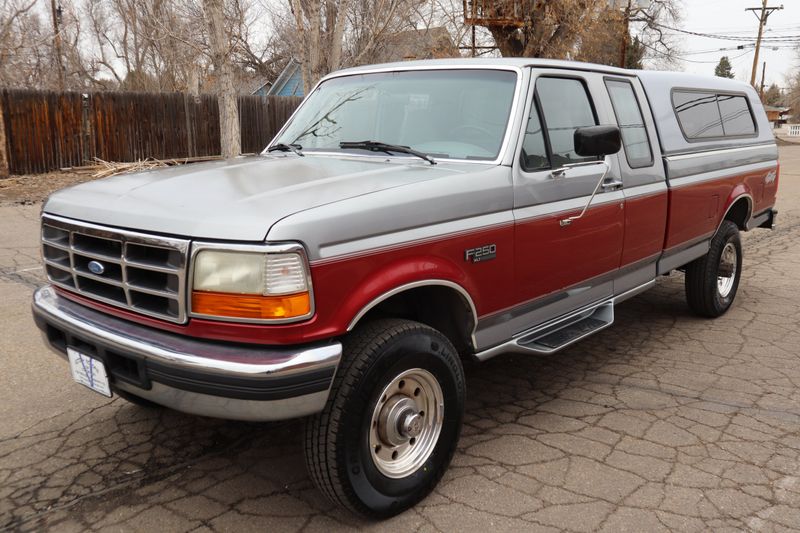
<point x="208" y="378"/>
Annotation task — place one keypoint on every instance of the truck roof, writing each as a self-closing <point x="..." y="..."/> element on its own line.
<point x="518" y="62"/>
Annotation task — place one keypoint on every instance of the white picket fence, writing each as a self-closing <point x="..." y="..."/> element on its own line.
<point x="794" y="130"/>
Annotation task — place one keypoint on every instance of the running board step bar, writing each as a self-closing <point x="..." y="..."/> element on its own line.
<point x="563" y="334"/>
<point x="557" y="334"/>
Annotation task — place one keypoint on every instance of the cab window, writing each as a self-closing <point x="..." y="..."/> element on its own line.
<point x="565" y="107"/>
<point x="635" y="141"/>
<point x="534" y="151"/>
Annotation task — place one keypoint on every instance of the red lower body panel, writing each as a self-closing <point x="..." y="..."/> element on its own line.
<point x="696" y="210"/>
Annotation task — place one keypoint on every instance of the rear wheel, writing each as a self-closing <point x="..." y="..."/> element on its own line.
<point x="391" y="425"/>
<point x="712" y="280"/>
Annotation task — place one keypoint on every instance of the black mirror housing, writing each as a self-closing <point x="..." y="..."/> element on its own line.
<point x="597" y="141"/>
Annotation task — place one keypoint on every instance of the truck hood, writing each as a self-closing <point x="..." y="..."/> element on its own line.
<point x="238" y="199"/>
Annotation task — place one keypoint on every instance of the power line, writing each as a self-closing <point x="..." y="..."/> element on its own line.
<point x="762" y="21"/>
<point x="669" y="56"/>
<point x="720" y="36"/>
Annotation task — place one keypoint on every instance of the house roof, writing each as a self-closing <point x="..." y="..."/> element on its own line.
<point x="289" y="71"/>
<point x="430" y="43"/>
<point x="260" y="84"/>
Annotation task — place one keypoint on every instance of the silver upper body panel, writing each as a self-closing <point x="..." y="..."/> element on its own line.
<point x="339" y="204"/>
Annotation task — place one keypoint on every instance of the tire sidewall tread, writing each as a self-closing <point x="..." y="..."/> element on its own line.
<point x="702" y="293"/>
<point x="329" y="437"/>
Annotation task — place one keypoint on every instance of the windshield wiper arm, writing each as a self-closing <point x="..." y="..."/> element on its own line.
<point x="375" y="146"/>
<point x="281" y="147"/>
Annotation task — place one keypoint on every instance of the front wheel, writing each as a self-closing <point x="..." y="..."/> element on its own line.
<point x="391" y="425"/>
<point x="712" y="280"/>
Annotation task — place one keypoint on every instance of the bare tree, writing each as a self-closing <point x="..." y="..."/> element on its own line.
<point x="230" y="138"/>
<point x="559" y="28"/>
<point x="370" y="22"/>
<point x="320" y="25"/>
<point x="792" y="97"/>
<point x="331" y="34"/>
<point x="149" y="45"/>
<point x="18" y="44"/>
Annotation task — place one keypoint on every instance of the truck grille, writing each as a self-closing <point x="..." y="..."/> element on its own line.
<point x="140" y="272"/>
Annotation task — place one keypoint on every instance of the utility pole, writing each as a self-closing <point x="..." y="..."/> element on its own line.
<point x="57" y="42"/>
<point x="763" y="74"/>
<point x="623" y="45"/>
<point x="473" y="40"/>
<point x="762" y="21"/>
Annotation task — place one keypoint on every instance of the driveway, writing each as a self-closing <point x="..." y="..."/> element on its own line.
<point x="664" y="421"/>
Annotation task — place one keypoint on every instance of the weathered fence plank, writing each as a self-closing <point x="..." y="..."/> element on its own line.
<point x="48" y="130"/>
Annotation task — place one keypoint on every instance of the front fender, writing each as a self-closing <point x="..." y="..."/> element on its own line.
<point x="404" y="274"/>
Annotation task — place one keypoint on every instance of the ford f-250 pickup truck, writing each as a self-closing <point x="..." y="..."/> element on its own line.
<point x="406" y="216"/>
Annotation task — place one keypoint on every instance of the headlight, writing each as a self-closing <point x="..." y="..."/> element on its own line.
<point x="253" y="285"/>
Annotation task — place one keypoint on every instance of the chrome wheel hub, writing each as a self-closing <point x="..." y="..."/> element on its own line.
<point x="406" y="423"/>
<point x="726" y="273"/>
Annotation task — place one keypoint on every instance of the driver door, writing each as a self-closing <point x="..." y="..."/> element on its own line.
<point x="560" y="268"/>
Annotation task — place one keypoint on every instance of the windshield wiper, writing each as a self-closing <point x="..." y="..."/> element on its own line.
<point x="281" y="147"/>
<point x="375" y="146"/>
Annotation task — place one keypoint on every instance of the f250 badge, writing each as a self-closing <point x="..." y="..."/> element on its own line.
<point x="481" y="253"/>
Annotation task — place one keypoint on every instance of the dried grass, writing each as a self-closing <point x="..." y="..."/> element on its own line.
<point x="112" y="168"/>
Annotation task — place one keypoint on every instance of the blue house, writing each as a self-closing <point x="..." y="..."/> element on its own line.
<point x="289" y="82"/>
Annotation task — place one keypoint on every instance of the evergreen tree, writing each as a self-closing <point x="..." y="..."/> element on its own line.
<point x="723" y="68"/>
<point x="773" y="96"/>
<point x="634" y="54"/>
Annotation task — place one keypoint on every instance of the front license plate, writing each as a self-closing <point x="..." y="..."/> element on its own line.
<point x="89" y="372"/>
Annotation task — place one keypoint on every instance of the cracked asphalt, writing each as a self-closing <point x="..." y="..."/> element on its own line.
<point x="663" y="422"/>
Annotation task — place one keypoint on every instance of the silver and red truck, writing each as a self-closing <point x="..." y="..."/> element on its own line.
<point x="407" y="216"/>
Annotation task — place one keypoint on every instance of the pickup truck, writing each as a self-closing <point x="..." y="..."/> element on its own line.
<point x="406" y="217"/>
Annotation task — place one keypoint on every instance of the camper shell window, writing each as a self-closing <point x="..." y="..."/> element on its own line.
<point x="705" y="114"/>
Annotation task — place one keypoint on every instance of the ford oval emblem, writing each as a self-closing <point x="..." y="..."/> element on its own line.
<point x="96" y="267"/>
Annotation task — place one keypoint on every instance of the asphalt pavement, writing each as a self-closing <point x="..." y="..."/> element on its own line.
<point x="662" y="422"/>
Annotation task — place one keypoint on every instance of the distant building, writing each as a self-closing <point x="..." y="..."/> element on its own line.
<point x="289" y="82"/>
<point x="431" y="43"/>
<point x="777" y="116"/>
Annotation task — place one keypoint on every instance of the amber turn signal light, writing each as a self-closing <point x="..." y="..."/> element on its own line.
<point x="251" y="306"/>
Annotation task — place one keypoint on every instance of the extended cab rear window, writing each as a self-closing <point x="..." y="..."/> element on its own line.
<point x="711" y="114"/>
<point x="631" y="123"/>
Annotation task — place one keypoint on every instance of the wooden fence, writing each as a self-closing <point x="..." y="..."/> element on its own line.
<point x="47" y="130"/>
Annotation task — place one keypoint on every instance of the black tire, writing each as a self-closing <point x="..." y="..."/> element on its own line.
<point x="337" y="440"/>
<point x="137" y="400"/>
<point x="702" y="291"/>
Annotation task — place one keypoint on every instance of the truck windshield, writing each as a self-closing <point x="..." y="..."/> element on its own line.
<point x="448" y="114"/>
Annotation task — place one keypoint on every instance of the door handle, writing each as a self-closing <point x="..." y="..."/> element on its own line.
<point x="612" y="184"/>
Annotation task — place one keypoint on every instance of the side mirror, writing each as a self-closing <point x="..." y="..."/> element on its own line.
<point x="597" y="141"/>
